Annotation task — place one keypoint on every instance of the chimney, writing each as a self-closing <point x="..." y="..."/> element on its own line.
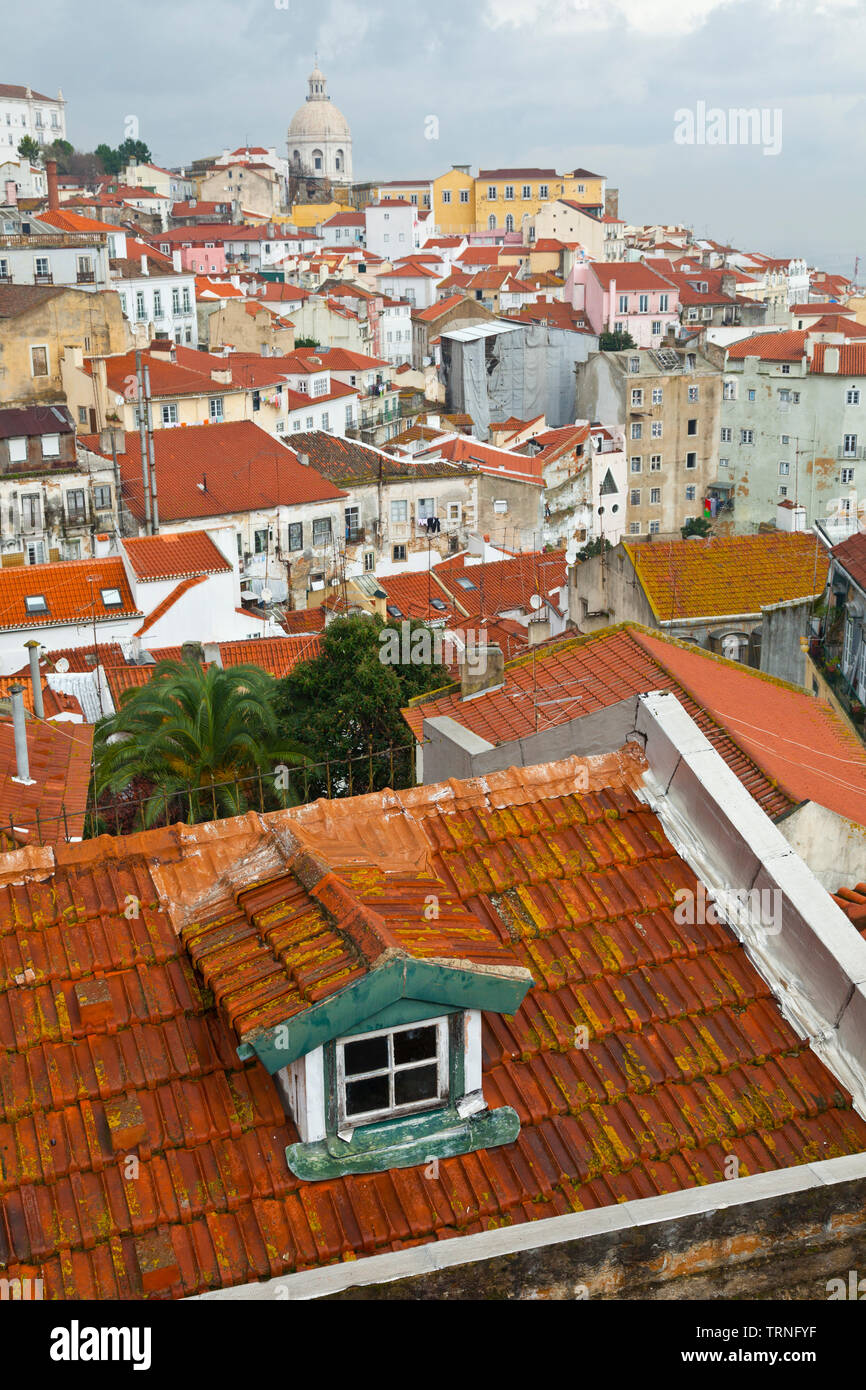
<point x="831" y="360"/>
<point x="19" y="728"/>
<point x="11" y="195"/>
<point x="51" y="177"/>
<point x="144" y="268"/>
<point x="304" y="459"/>
<point x="192" y="652"/>
<point x="482" y="667"/>
<point x="175" y="260"/>
<point x="32" y="648"/>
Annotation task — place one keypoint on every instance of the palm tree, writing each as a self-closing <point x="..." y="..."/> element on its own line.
<point x="196" y="732"/>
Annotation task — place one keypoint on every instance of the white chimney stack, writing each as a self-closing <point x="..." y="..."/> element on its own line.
<point x="144" y="267"/>
<point x="19" y="728"/>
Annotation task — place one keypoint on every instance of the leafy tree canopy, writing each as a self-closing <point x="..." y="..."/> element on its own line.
<point x="615" y="342"/>
<point x="698" y="526"/>
<point x="343" y="706"/>
<point x="195" y="734"/>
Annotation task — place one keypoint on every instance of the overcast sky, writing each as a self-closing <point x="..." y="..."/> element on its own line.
<point x="561" y="83"/>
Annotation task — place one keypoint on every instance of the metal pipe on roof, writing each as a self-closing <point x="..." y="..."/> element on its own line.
<point x="142" y="441"/>
<point x="19" y="730"/>
<point x="154" y="505"/>
<point x="32" y="648"/>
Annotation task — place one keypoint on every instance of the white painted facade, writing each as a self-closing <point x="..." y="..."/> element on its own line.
<point x="41" y="117"/>
<point x="395" y="332"/>
<point x="157" y="301"/>
<point x="392" y="229"/>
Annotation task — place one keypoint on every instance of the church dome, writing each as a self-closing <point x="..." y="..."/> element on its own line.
<point x="319" y="137"/>
<point x="319" y="120"/>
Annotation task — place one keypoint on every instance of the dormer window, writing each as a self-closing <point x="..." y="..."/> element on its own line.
<point x="35" y="603"/>
<point x="394" y="1072"/>
<point x="112" y="598"/>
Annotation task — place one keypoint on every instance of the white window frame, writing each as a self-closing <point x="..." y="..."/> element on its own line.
<point x="441" y="1060"/>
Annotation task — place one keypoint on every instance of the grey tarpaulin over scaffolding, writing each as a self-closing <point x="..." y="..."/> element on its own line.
<point x="493" y="371"/>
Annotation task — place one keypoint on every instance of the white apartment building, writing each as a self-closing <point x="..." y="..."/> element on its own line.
<point x="157" y="301"/>
<point x="392" y="229"/>
<point x="25" y="112"/>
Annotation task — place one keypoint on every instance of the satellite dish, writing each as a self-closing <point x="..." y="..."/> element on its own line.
<point x="536" y="601"/>
<point x="570" y="556"/>
<point x="62" y="666"/>
<point x="267" y="595"/>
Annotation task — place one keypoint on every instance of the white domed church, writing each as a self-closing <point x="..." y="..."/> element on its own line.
<point x="320" y="141"/>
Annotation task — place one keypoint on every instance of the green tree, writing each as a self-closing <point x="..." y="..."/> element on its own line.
<point x="696" y="526"/>
<point x="342" y="708"/>
<point x="108" y="158"/>
<point x="193" y="734"/>
<point x="135" y="150"/>
<point x="28" y="148"/>
<point x="615" y="342"/>
<point x="593" y="548"/>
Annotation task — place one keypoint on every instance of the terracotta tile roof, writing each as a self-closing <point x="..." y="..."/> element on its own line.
<point x="68" y="221"/>
<point x="276" y="655"/>
<point x="495" y="587"/>
<point x="68" y="594"/>
<point x="853" y="903"/>
<point x="787" y="346"/>
<point x="495" y="174"/>
<point x="487" y="458"/>
<point x="345" y="461"/>
<point x="804" y="748"/>
<point x="818" y="309"/>
<point x="852" y="358"/>
<point x="174" y="555"/>
<point x="629" y="275"/>
<point x="16" y="300"/>
<point x="338" y="359"/>
<point x="727" y="575"/>
<point x="442" y="306"/>
<point x="54" y="701"/>
<point x="479" y="255"/>
<point x="240" y="466"/>
<point x="59" y="755"/>
<point x="581" y="675"/>
<point x="303" y="620"/>
<point x="837" y="323"/>
<point x="140" y="1048"/>
<point x="851" y="555"/>
<point x="35" y="420"/>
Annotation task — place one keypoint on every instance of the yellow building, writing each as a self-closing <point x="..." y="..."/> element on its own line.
<point x="509" y="198"/>
<point x="454" y="201"/>
<point x="38" y="323"/>
<point x="414" y="191"/>
<point x="309" y="214"/>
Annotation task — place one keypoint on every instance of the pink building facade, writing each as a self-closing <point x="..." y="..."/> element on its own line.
<point x="626" y="296"/>
<point x="203" y="260"/>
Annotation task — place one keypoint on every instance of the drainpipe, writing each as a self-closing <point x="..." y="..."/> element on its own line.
<point x="19" y="728"/>
<point x="35" y="678"/>
<point x="142" y="442"/>
<point x="149" y="416"/>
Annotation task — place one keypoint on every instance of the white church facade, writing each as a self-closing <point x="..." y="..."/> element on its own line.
<point x="319" y="138"/>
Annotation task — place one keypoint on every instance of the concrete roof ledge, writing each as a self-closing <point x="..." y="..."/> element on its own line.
<point x="801" y="943"/>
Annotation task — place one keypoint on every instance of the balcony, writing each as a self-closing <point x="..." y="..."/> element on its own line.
<point x="852" y="454"/>
<point x="86" y="277"/>
<point x="46" y="279"/>
<point x="355" y="535"/>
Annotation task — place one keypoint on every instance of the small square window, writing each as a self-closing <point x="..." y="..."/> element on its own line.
<point x="392" y="1073"/>
<point x="398" y="552"/>
<point x="35" y="603"/>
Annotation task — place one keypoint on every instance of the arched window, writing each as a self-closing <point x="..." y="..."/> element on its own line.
<point x="491" y="222"/>
<point x="318" y="161"/>
<point x="339" y="161"/>
<point x="296" y="156"/>
<point x="509" y="223"/>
